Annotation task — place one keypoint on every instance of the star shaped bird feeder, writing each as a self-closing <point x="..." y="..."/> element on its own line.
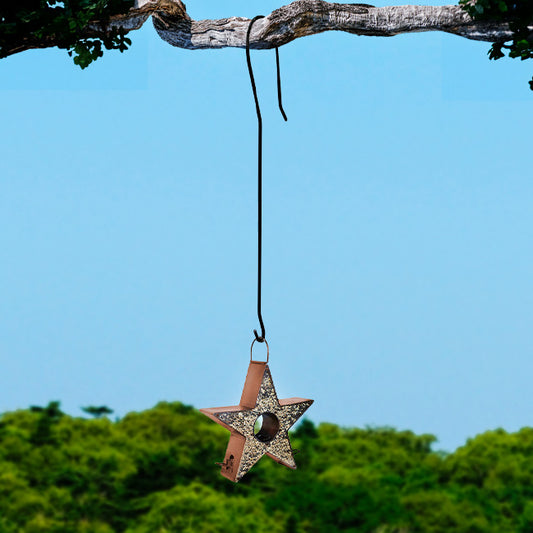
<point x="259" y="425"/>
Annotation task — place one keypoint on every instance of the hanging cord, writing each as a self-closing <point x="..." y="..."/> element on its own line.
<point x="260" y="338"/>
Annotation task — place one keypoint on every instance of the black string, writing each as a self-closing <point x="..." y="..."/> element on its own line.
<point x="260" y="338"/>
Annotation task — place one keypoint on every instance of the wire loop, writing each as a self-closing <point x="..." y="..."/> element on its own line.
<point x="251" y="348"/>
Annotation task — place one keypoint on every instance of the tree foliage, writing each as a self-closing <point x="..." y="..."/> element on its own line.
<point x="97" y="411"/>
<point x="519" y="14"/>
<point x="155" y="472"/>
<point x="40" y="21"/>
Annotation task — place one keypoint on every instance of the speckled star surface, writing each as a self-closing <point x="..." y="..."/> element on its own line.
<point x="259" y="399"/>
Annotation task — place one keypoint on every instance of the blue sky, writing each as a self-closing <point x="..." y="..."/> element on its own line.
<point x="397" y="240"/>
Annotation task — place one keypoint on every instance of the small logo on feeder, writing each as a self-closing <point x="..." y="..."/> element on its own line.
<point x="228" y="465"/>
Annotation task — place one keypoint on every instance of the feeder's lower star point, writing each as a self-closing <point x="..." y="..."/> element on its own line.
<point x="259" y="399"/>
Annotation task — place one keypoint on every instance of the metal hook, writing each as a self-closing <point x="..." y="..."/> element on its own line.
<point x="250" y="70"/>
<point x="260" y="338"/>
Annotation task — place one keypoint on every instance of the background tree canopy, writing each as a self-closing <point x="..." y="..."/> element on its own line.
<point x="154" y="471"/>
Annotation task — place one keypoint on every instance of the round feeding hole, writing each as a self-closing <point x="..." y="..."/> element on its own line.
<point x="266" y="427"/>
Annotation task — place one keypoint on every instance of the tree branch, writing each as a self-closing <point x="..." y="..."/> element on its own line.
<point x="298" y="19"/>
<point x="308" y="17"/>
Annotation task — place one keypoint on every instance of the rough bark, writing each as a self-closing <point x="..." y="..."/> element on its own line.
<point x="308" y="17"/>
<point x="298" y="19"/>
